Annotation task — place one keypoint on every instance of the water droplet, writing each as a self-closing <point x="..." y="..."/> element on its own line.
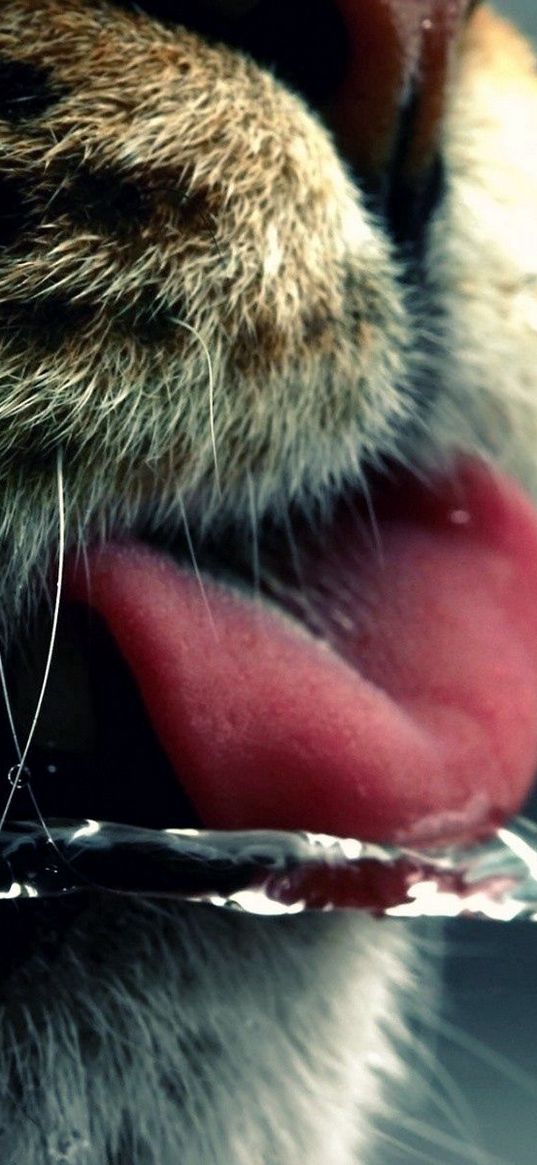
<point x="19" y="777"/>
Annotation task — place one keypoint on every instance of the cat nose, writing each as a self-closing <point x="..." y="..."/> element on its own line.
<point x="388" y="110"/>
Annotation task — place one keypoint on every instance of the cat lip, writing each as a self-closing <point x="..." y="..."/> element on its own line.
<point x="391" y="696"/>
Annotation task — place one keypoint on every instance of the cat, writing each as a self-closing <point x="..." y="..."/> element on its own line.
<point x="256" y="259"/>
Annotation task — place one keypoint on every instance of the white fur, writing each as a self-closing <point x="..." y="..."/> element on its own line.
<point x="190" y="1035"/>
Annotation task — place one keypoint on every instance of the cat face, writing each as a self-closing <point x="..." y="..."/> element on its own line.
<point x="266" y="272"/>
<point x="229" y="292"/>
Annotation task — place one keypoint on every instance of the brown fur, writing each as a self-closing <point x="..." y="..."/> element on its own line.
<point x="147" y="208"/>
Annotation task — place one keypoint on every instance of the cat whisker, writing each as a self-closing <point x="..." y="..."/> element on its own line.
<point x="22" y="753"/>
<point x="194" y="332"/>
<point x="256" y="567"/>
<point x="195" y="567"/>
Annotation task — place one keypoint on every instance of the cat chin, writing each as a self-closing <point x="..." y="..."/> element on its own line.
<point x="189" y="1033"/>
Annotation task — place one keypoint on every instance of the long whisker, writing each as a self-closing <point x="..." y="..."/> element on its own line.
<point x="256" y="571"/>
<point x="23" y="753"/>
<point x="472" y="1046"/>
<point x="469" y="1154"/>
<point x="375" y="530"/>
<point x="7" y="702"/>
<point x="199" y="338"/>
<point x="196" y="568"/>
<point x="437" y="1138"/>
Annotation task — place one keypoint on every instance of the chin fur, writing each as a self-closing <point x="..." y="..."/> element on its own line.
<point x="188" y="1034"/>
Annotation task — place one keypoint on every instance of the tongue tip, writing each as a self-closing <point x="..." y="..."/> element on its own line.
<point x="465" y="827"/>
<point x="427" y="829"/>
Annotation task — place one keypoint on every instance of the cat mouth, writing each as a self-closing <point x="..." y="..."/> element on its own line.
<point x="375" y="679"/>
<point x="373" y="675"/>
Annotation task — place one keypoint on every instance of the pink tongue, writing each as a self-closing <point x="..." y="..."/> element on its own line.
<point x="410" y="715"/>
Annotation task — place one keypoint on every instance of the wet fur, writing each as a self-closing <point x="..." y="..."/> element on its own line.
<point x="137" y="205"/>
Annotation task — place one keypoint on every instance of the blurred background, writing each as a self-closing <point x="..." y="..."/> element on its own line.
<point x="474" y="1051"/>
<point x="524" y="11"/>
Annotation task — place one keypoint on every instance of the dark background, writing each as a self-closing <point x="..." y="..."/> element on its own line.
<point x="475" y="1051"/>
